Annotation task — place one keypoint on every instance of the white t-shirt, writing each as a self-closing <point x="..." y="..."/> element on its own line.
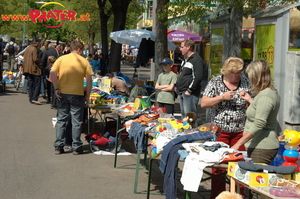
<point x="15" y="45"/>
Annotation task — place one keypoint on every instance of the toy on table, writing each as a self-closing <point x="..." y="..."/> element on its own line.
<point x="98" y="99"/>
<point x="290" y="155"/>
<point x="190" y="118"/>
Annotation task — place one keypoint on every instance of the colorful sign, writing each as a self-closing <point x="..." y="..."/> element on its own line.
<point x="216" y="52"/>
<point x="265" y="44"/>
<point x="44" y="16"/>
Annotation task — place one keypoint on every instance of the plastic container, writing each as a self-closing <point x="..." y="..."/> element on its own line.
<point x="278" y="160"/>
<point x="163" y="109"/>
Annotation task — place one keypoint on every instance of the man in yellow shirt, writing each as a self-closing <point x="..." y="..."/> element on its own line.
<point x="67" y="76"/>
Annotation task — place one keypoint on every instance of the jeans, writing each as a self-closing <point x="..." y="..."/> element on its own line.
<point x="11" y="62"/>
<point x="69" y="105"/>
<point x="43" y="92"/>
<point x="25" y="85"/>
<point x="188" y="103"/>
<point x="169" y="160"/>
<point x="34" y="87"/>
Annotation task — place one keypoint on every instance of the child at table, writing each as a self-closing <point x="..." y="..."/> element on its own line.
<point x="165" y="85"/>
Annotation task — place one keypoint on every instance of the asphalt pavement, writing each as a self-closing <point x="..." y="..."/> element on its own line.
<point x="30" y="169"/>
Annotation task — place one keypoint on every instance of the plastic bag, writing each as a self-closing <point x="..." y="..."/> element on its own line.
<point x="136" y="91"/>
<point x="145" y="102"/>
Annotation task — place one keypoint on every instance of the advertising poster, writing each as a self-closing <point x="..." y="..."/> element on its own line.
<point x="265" y="43"/>
<point x="216" y="53"/>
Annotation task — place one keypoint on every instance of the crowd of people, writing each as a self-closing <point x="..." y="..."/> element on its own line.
<point x="243" y="103"/>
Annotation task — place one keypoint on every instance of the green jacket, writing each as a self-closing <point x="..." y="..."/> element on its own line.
<point x="262" y="120"/>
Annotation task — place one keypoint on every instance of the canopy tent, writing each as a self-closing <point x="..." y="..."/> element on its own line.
<point x="179" y="36"/>
<point x="134" y="37"/>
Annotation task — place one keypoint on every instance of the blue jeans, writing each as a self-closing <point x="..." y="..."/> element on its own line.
<point x="43" y="78"/>
<point x="69" y="105"/>
<point x="188" y="103"/>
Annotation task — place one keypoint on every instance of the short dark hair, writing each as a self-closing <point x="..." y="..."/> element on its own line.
<point x="190" y="43"/>
<point x="110" y="75"/>
<point x="76" y="45"/>
<point x="35" y="40"/>
<point x="12" y="39"/>
<point x="95" y="57"/>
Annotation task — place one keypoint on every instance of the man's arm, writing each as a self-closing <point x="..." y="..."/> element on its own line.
<point x="88" y="88"/>
<point x="53" y="76"/>
<point x="44" y="59"/>
<point x="198" y="74"/>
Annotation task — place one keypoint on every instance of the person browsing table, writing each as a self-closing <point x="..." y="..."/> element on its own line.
<point x="260" y="133"/>
<point x="69" y="90"/>
<point x="227" y="109"/>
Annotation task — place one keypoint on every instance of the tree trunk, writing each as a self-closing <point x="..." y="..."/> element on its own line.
<point x="104" y="16"/>
<point x="119" y="8"/>
<point x="235" y="36"/>
<point x="91" y="41"/>
<point x="161" y="44"/>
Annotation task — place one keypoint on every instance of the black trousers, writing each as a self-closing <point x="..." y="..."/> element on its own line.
<point x="34" y="87"/>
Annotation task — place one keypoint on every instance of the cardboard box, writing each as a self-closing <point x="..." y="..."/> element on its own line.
<point x="253" y="178"/>
<point x="296" y="177"/>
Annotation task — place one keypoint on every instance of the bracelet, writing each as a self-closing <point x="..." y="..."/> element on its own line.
<point x="223" y="97"/>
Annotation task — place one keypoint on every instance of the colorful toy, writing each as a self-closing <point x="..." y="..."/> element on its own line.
<point x="290" y="155"/>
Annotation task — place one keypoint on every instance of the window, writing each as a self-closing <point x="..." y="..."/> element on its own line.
<point x="150" y="9"/>
<point x="294" y="37"/>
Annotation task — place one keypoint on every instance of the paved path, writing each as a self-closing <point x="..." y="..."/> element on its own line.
<point x="29" y="169"/>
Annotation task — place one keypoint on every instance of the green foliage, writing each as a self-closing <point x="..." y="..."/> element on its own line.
<point x="192" y="10"/>
<point x="135" y="9"/>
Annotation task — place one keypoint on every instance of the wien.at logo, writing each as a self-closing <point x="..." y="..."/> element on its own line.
<point x="44" y="16"/>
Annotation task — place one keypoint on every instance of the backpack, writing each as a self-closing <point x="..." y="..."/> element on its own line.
<point x="11" y="49"/>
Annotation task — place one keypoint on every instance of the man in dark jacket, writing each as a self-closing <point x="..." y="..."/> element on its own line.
<point x="51" y="51"/>
<point x="189" y="80"/>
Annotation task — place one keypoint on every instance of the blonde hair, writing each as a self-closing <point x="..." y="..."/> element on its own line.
<point x="259" y="74"/>
<point x="232" y="64"/>
<point x="51" y="59"/>
<point x="229" y="195"/>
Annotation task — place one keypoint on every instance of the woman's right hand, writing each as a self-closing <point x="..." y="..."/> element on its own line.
<point x="244" y="95"/>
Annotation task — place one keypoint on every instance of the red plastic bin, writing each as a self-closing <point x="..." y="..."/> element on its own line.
<point x="157" y="108"/>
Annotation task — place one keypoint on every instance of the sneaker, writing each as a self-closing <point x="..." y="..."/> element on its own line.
<point x="59" y="150"/>
<point x="68" y="147"/>
<point x="36" y="102"/>
<point x="78" y="151"/>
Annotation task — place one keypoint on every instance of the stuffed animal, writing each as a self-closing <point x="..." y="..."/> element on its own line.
<point x="228" y="195"/>
<point x="190" y="118"/>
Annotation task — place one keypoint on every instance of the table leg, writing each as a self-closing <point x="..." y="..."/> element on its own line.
<point x="118" y="137"/>
<point x="137" y="171"/>
<point x="232" y="185"/>
<point x="88" y="119"/>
